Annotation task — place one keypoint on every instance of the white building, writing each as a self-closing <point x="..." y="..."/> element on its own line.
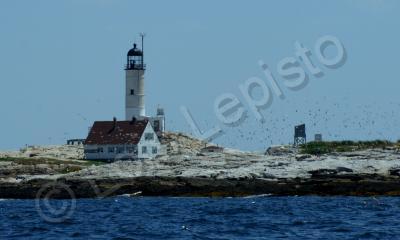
<point x="120" y="140"/>
<point x="138" y="136"/>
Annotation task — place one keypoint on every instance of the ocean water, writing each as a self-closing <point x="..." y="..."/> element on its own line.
<point x="202" y="218"/>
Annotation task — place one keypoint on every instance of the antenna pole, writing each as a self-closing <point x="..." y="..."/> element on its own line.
<point x="142" y="34"/>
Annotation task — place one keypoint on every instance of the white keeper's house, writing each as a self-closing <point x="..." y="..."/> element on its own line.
<point x="138" y="136"/>
<point x="120" y="140"/>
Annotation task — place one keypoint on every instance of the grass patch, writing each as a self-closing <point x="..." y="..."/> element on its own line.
<point x="317" y="148"/>
<point x="94" y="162"/>
<point x="33" y="161"/>
<point x="70" y="169"/>
<point x="51" y="161"/>
<point x="52" y="166"/>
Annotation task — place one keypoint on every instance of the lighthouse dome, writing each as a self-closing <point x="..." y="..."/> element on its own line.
<point x="135" y="51"/>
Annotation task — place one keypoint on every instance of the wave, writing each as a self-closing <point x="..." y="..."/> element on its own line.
<point x="260" y="195"/>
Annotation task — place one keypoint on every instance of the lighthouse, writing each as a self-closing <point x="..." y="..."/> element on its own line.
<point x="134" y="91"/>
<point x="138" y="137"/>
<point x="134" y="83"/>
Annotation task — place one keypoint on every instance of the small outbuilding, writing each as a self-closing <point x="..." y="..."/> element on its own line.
<point x="75" y="141"/>
<point x="318" y="137"/>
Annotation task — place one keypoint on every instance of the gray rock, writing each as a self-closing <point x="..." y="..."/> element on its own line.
<point x="394" y="172"/>
<point x="343" y="169"/>
<point x="279" y="151"/>
<point x="268" y="175"/>
<point x="302" y="157"/>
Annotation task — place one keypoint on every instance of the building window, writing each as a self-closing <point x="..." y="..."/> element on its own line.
<point x="149" y="136"/>
<point x="100" y="149"/>
<point x="91" y="150"/>
<point x="144" y="149"/>
<point x="154" y="150"/>
<point x="156" y="125"/>
<point x="120" y="149"/>
<point x="132" y="92"/>
<point x="111" y="149"/>
<point x="132" y="149"/>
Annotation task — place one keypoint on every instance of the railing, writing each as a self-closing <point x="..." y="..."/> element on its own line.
<point x="135" y="66"/>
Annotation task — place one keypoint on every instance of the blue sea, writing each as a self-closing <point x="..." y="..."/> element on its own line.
<point x="260" y="217"/>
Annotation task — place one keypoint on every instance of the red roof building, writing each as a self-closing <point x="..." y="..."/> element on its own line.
<point x="114" y="140"/>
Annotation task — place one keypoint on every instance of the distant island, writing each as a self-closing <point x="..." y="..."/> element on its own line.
<point x="191" y="167"/>
<point x="135" y="156"/>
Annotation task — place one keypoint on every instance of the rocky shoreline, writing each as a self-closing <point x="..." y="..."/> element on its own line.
<point x="349" y="185"/>
<point x="188" y="170"/>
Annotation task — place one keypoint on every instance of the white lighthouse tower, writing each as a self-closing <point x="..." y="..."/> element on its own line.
<point x="134" y="94"/>
<point x="134" y="91"/>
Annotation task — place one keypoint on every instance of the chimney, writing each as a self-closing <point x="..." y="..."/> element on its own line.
<point x="114" y="125"/>
<point x="133" y="120"/>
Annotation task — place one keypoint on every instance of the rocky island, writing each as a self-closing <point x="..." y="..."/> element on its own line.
<point x="191" y="167"/>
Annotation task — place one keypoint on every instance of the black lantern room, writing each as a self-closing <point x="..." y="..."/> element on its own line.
<point x="135" y="59"/>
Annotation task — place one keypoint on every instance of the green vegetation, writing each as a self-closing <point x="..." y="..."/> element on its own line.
<point x="51" y="161"/>
<point x="94" y="162"/>
<point x="33" y="161"/>
<point x="53" y="166"/>
<point x="70" y="169"/>
<point x="316" y="148"/>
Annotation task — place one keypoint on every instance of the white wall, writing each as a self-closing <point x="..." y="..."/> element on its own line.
<point x="149" y="143"/>
<point x="109" y="155"/>
<point x="134" y="104"/>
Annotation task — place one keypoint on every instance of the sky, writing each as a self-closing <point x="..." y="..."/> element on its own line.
<point x="62" y="67"/>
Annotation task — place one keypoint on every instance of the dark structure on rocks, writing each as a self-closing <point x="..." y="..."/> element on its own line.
<point x="300" y="135"/>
